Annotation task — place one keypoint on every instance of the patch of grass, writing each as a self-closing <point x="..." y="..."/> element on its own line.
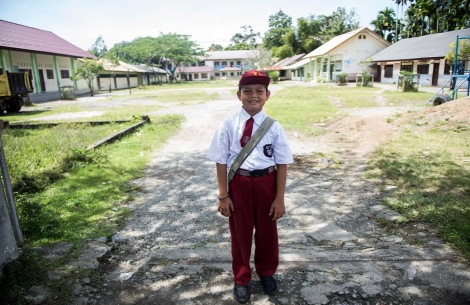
<point x="433" y="183"/>
<point x="184" y="96"/>
<point x="355" y="97"/>
<point x="398" y="98"/>
<point x="299" y="108"/>
<point x="20" y="275"/>
<point x="66" y="193"/>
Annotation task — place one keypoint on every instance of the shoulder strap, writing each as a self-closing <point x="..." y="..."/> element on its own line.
<point x="248" y="148"/>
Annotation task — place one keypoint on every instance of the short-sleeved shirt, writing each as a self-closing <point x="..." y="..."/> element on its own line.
<point x="271" y="150"/>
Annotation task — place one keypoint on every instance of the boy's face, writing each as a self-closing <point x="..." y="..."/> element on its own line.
<point x="253" y="98"/>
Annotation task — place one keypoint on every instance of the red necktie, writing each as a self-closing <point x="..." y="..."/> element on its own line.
<point x="247" y="132"/>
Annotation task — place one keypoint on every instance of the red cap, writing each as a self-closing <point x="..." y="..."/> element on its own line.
<point x="254" y="77"/>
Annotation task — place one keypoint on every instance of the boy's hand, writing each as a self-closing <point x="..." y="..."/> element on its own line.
<point x="278" y="209"/>
<point x="225" y="206"/>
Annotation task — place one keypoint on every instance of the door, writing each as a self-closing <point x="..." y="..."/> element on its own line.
<point x="435" y="74"/>
<point x="378" y="78"/>
<point x="41" y="80"/>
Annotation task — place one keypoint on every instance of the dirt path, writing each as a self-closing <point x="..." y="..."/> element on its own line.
<point x="176" y="248"/>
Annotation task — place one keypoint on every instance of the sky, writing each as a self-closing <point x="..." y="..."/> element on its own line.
<point x="81" y="22"/>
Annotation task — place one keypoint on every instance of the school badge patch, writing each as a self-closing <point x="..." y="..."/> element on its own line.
<point x="268" y="150"/>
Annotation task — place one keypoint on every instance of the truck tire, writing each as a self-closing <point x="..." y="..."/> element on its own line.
<point x="14" y="105"/>
<point x="441" y="99"/>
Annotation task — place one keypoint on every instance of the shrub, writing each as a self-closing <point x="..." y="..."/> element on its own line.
<point x="342" y="81"/>
<point x="274" y="75"/>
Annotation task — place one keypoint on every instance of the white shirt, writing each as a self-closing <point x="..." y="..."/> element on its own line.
<point x="271" y="150"/>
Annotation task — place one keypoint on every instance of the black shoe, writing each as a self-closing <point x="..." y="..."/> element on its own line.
<point x="242" y="293"/>
<point x="269" y="284"/>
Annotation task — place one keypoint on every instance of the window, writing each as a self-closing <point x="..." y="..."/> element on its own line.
<point x="239" y="62"/>
<point x="406" y="67"/>
<point x="217" y="74"/>
<point x="50" y="74"/>
<point x="217" y="63"/>
<point x="64" y="74"/>
<point x="423" y="69"/>
<point x="224" y="63"/>
<point x="388" y="71"/>
<point x="196" y="75"/>
<point x="231" y="73"/>
<point x="203" y="75"/>
<point x="231" y="64"/>
<point x="362" y="36"/>
<point x="447" y="69"/>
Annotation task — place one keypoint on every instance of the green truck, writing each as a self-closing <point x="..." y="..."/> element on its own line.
<point x="14" y="90"/>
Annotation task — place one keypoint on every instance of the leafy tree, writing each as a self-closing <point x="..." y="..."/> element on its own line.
<point x="215" y="47"/>
<point x="87" y="69"/>
<point x="239" y="46"/>
<point x="435" y="16"/>
<point x="248" y="36"/>
<point x="98" y="48"/>
<point x="261" y="59"/>
<point x="339" y="22"/>
<point x="282" y="52"/>
<point x="464" y="52"/>
<point x="384" y="24"/>
<point x="279" y="25"/>
<point x="167" y="51"/>
<point x="309" y="34"/>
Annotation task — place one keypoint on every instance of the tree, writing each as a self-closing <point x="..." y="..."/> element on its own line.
<point x="239" y="46"/>
<point x="167" y="51"/>
<point x="175" y="50"/>
<point x="435" y="16"/>
<point x="87" y="69"/>
<point x="339" y="22"/>
<point x="215" y="47"/>
<point x="260" y="59"/>
<point x="279" y="25"/>
<point x="98" y="48"/>
<point x="308" y="34"/>
<point x="384" y="24"/>
<point x="248" y="36"/>
<point x="464" y="52"/>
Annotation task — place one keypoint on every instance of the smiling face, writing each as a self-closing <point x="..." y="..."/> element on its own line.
<point x="253" y="98"/>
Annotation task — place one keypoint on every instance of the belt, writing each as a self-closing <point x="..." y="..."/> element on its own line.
<point x="256" y="172"/>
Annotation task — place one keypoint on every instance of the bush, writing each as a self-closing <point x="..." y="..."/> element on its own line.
<point x="321" y="79"/>
<point x="342" y="81"/>
<point x="406" y="81"/>
<point x="274" y="75"/>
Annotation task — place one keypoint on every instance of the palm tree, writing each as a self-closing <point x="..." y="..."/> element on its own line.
<point x="383" y="24"/>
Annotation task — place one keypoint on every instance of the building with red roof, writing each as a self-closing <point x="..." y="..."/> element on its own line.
<point x="49" y="59"/>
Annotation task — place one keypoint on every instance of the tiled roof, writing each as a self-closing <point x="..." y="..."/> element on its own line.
<point x="237" y="54"/>
<point x="338" y="40"/>
<point x="199" y="69"/>
<point x="23" y="38"/>
<point x="286" y="62"/>
<point x="428" y="46"/>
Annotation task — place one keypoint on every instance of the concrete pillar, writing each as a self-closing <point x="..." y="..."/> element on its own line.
<point x="72" y="67"/>
<point x="57" y="75"/>
<point x="315" y="69"/>
<point x="34" y="68"/>
<point x="3" y="60"/>
<point x="328" y="68"/>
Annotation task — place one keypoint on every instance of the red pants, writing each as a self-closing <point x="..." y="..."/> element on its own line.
<point x="252" y="198"/>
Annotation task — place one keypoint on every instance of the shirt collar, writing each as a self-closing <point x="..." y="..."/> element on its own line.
<point x="259" y="117"/>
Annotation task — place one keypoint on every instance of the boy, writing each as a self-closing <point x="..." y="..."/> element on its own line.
<point x="255" y="197"/>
